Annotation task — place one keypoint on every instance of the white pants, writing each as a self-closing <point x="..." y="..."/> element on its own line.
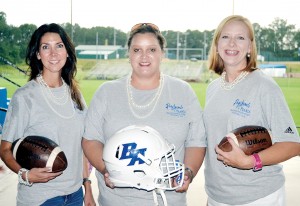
<point x="275" y="199"/>
<point x="8" y="186"/>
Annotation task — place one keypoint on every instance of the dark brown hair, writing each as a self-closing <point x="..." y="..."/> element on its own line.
<point x="69" y="69"/>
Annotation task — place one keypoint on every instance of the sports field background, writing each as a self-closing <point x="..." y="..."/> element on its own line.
<point x="194" y="72"/>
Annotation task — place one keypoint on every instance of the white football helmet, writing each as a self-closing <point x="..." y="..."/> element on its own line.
<point x="139" y="157"/>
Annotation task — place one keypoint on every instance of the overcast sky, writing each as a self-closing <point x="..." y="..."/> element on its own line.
<point x="176" y="15"/>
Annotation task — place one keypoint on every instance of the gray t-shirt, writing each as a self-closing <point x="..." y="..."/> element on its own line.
<point x="177" y="117"/>
<point x="30" y="114"/>
<point x="256" y="100"/>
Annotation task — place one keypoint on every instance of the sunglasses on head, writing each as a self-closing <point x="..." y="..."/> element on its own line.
<point x="137" y="26"/>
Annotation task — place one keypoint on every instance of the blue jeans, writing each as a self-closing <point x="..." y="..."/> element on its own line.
<point x="74" y="199"/>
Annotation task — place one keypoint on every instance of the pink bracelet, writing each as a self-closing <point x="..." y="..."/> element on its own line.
<point x="258" y="164"/>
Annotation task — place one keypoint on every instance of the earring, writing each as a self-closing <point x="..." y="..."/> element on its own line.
<point x="248" y="55"/>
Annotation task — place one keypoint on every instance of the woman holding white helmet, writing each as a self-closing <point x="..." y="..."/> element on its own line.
<point x="145" y="97"/>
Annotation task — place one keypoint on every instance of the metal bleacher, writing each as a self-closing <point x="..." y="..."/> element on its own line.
<point x="107" y="70"/>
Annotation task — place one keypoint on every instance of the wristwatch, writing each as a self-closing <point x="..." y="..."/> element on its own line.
<point x="86" y="180"/>
<point x="191" y="174"/>
<point x="257" y="162"/>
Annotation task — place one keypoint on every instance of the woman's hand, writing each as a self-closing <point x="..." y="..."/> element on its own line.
<point x="41" y="175"/>
<point x="235" y="158"/>
<point x="108" y="183"/>
<point x="186" y="182"/>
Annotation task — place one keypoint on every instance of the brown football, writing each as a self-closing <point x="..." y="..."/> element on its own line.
<point x="251" y="139"/>
<point x="39" y="152"/>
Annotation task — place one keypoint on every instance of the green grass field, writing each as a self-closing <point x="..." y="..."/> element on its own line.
<point x="289" y="86"/>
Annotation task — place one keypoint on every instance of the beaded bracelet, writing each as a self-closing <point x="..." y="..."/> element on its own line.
<point x="20" y="178"/>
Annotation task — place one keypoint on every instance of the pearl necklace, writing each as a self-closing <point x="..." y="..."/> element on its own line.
<point x="56" y="100"/>
<point x="229" y="85"/>
<point x="154" y="101"/>
<point x="46" y="90"/>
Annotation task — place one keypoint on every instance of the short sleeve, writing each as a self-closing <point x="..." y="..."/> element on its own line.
<point x="278" y="115"/>
<point x="94" y="119"/>
<point x="17" y="118"/>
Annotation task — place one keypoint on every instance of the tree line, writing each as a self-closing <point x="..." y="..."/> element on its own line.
<point x="279" y="41"/>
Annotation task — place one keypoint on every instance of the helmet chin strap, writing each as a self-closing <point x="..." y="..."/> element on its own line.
<point x="162" y="193"/>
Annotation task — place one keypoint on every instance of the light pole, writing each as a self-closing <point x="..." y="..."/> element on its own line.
<point x="97" y="46"/>
<point x="204" y="47"/>
<point x="274" y="41"/>
<point x="72" y="20"/>
<point x="178" y="44"/>
<point x="258" y="46"/>
<point x="185" y="43"/>
<point x="115" y="33"/>
<point x="115" y="36"/>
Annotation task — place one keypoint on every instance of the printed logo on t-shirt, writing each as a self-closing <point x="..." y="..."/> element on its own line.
<point x="241" y="108"/>
<point x="289" y="130"/>
<point x="175" y="110"/>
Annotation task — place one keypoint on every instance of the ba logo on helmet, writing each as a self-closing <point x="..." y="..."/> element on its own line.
<point x="130" y="152"/>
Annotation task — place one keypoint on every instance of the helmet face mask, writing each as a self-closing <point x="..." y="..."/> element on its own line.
<point x="139" y="157"/>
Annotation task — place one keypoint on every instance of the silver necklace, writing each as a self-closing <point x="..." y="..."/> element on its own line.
<point x="45" y="91"/>
<point x="230" y="85"/>
<point x="142" y="108"/>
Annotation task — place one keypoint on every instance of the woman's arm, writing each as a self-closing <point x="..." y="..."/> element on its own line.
<point x="277" y="153"/>
<point x="193" y="159"/>
<point x="88" y="194"/>
<point x="93" y="151"/>
<point x="34" y="175"/>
